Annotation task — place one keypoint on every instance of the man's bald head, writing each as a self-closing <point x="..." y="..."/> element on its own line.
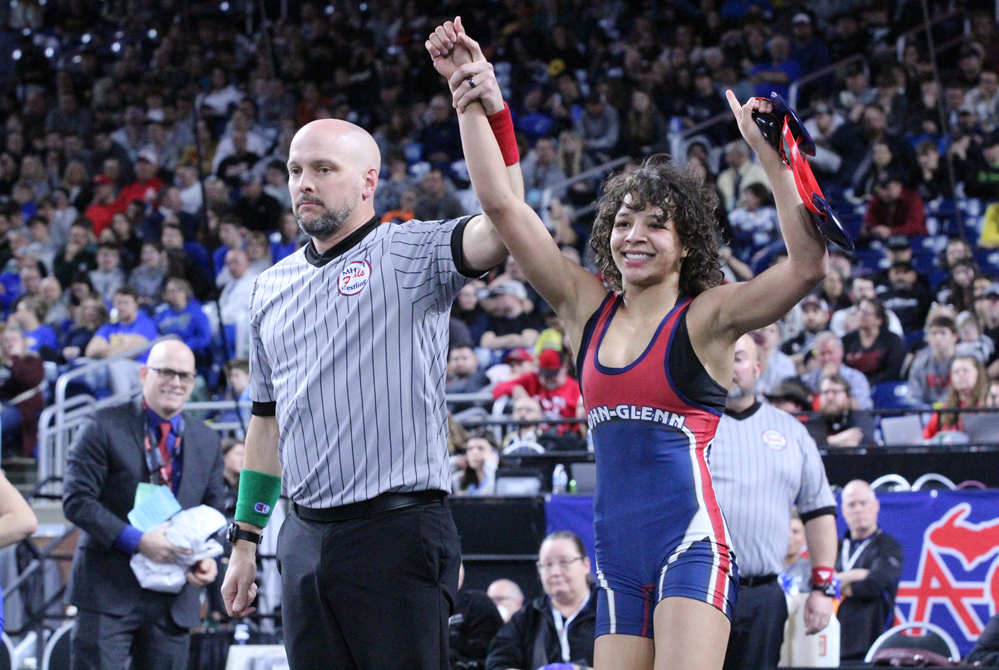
<point x="507" y="595"/>
<point x="860" y="509"/>
<point x="333" y="171"/>
<point x="343" y="139"/>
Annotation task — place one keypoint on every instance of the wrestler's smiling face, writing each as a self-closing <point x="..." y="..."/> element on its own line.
<point x="644" y="245"/>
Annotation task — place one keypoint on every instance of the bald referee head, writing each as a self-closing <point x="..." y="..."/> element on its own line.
<point x="333" y="170"/>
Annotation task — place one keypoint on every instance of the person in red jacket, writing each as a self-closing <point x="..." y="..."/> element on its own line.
<point x="105" y="205"/>
<point x="894" y="210"/>
<point x="551" y="385"/>
<point x="147" y="185"/>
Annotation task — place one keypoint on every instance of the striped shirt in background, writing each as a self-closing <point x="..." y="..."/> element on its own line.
<point x="351" y="349"/>
<point x="763" y="462"/>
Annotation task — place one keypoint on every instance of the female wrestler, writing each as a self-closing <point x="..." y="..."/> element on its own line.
<point x="655" y="357"/>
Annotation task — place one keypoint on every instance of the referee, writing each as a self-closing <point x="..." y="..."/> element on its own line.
<point x="347" y="366"/>
<point x="763" y="462"/>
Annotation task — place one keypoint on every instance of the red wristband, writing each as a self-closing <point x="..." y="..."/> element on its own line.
<point x="502" y="125"/>
<point x="822" y="576"/>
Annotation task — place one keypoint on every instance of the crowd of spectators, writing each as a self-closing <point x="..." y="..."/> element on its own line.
<point x="143" y="188"/>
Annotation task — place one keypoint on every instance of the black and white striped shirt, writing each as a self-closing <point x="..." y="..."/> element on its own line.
<point x="349" y="351"/>
<point x="763" y="462"/>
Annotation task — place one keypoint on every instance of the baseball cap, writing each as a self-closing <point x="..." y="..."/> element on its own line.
<point x="149" y="156"/>
<point x="801" y="17"/>
<point x="902" y="265"/>
<point x="518" y="355"/>
<point x="103" y="179"/>
<point x="549" y="361"/>
<point x="898" y="242"/>
<point x="791" y="390"/>
<point x="993" y="289"/>
<point x="816" y="301"/>
<point x="971" y="50"/>
<point x="510" y="287"/>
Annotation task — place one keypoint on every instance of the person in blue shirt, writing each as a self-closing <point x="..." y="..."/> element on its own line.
<point x="131" y="328"/>
<point x="28" y="313"/>
<point x="285" y="242"/>
<point x="777" y="75"/>
<point x="181" y="315"/>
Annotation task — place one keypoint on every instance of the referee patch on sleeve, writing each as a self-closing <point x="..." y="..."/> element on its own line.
<point x="264" y="408"/>
<point x="458" y="253"/>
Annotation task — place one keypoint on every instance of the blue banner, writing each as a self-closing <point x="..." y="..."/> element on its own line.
<point x="950" y="539"/>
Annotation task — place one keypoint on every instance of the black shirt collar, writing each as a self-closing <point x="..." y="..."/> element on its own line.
<point x="346" y="244"/>
<point x="745" y="414"/>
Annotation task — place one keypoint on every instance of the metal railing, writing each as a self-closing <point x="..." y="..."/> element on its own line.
<point x="904" y="38"/>
<point x="795" y="88"/>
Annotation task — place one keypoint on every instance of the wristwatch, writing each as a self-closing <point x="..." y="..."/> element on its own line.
<point x="829" y="589"/>
<point x="234" y="532"/>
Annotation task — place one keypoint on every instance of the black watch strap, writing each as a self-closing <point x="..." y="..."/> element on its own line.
<point x="828" y="589"/>
<point x="234" y="532"/>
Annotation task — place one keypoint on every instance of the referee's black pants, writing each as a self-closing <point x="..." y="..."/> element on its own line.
<point x="757" y="627"/>
<point x="371" y="593"/>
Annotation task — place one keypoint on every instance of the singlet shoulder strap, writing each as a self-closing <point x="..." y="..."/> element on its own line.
<point x="596" y="322"/>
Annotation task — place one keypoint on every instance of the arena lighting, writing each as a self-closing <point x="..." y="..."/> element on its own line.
<point x="330" y="9"/>
<point x="363" y="6"/>
<point x="77" y="58"/>
<point x="152" y="33"/>
<point x="116" y="47"/>
<point x="26" y="32"/>
<point x="86" y="38"/>
<point x="224" y="6"/>
<point x="16" y="55"/>
<point x="49" y="52"/>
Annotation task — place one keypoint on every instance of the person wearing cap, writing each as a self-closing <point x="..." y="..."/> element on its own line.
<point x="823" y="122"/>
<point x="980" y="169"/>
<point x="815" y="318"/>
<point x="970" y="61"/>
<point x="105" y="204"/>
<point x="147" y="185"/>
<point x="897" y="248"/>
<point x="894" y="209"/>
<point x="987" y="309"/>
<point x="807" y="48"/>
<point x="510" y="325"/>
<point x="907" y="295"/>
<point x="551" y="385"/>
<point x="847" y="319"/>
<point x="257" y="210"/>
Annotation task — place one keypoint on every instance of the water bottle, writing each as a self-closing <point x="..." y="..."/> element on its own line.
<point x="241" y="633"/>
<point x="560" y="480"/>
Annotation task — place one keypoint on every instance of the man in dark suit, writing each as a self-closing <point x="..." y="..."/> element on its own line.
<point x="147" y="439"/>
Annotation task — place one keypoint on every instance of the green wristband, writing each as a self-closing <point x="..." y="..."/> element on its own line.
<point x="258" y="493"/>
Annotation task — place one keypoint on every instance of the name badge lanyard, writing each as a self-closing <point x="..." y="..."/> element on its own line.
<point x="562" y="627"/>
<point x="850" y="561"/>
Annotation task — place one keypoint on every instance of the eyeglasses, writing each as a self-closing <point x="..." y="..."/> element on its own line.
<point x="782" y="126"/>
<point x="563" y="564"/>
<point x="168" y="374"/>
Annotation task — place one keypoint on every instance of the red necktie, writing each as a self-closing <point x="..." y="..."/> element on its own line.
<point x="167" y="470"/>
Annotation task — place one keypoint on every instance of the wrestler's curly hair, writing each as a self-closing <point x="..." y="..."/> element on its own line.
<point x="685" y="200"/>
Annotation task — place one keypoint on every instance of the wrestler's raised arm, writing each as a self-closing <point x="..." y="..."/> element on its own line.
<point x="573" y="292"/>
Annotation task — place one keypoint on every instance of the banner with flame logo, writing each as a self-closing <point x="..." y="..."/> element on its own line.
<point x="950" y="575"/>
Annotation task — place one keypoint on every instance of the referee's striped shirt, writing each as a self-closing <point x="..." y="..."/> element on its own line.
<point x="349" y="351"/>
<point x="763" y="462"/>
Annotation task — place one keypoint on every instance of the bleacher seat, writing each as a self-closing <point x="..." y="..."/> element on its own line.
<point x="891" y="395"/>
<point x="913" y="337"/>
